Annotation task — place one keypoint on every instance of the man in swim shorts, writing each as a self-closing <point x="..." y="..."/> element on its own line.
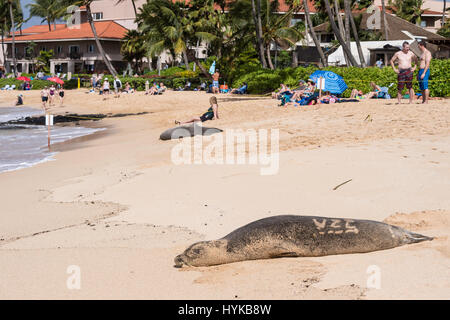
<point x="424" y="71"/>
<point x="216" y="77"/>
<point x="405" y="70"/>
<point x="44" y="97"/>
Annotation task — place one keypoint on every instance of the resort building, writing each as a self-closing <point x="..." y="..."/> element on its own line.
<point x="74" y="48"/>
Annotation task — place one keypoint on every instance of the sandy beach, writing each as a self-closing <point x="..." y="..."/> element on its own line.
<point x="115" y="205"/>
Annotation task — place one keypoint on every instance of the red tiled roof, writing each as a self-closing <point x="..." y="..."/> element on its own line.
<point x="38" y="29"/>
<point x="105" y="30"/>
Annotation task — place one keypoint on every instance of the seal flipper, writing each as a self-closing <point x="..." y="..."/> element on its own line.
<point x="412" y="237"/>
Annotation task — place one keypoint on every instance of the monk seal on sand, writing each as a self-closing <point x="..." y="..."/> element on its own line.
<point x="297" y="236"/>
<point x="188" y="131"/>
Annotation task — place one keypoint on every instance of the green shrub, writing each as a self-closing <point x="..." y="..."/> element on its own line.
<point x="264" y="81"/>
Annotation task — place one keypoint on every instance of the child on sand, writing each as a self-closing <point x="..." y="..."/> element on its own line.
<point x="211" y="114"/>
<point x="44" y="97"/>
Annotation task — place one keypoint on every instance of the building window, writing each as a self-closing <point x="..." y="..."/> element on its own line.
<point x="90" y="68"/>
<point x="97" y="15"/>
<point x="326" y="38"/>
<point x="59" y="49"/>
<point x="74" y="49"/>
<point x="43" y="49"/>
<point x="91" y="48"/>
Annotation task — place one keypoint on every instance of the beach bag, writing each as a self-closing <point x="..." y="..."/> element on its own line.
<point x="118" y="84"/>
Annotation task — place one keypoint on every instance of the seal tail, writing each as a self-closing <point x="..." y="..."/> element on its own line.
<point x="416" y="237"/>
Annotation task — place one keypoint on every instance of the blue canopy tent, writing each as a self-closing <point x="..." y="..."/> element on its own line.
<point x="333" y="83"/>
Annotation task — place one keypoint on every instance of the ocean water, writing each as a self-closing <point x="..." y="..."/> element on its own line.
<point x="23" y="146"/>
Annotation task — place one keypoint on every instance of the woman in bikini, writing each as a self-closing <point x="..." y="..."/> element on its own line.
<point x="52" y="92"/>
<point x="61" y="95"/>
<point x="211" y="114"/>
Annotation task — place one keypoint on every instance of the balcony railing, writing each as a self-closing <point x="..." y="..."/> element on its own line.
<point x="75" y="55"/>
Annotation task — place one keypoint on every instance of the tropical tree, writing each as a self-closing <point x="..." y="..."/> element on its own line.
<point x="349" y="15"/>
<point x="256" y="13"/>
<point x="313" y="33"/>
<point x="444" y="12"/>
<point x="43" y="60"/>
<point x="410" y="10"/>
<point x="133" y="48"/>
<point x="336" y="32"/>
<point x="49" y="10"/>
<point x="383" y="13"/>
<point x="14" y="9"/>
<point x="87" y="4"/>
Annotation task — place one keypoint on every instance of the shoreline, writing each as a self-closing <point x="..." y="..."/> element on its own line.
<point x="114" y="204"/>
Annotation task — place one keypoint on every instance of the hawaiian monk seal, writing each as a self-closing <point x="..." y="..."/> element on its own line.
<point x="297" y="236"/>
<point x="188" y="131"/>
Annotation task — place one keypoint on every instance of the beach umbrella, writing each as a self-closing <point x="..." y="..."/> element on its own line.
<point x="333" y="83"/>
<point x="56" y="79"/>
<point x="23" y="78"/>
<point x="212" y="69"/>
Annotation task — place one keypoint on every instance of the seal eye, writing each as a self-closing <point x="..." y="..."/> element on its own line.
<point x="197" y="251"/>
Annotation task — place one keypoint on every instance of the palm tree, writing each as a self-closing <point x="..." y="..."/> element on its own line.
<point x="341" y="27"/>
<point x="313" y="33"/>
<point x="348" y="13"/>
<point x="277" y="30"/>
<point x="133" y="49"/>
<point x="256" y="13"/>
<point x="49" y="10"/>
<point x="338" y="35"/>
<point x="13" y="4"/>
<point x="383" y="13"/>
<point x="87" y="4"/>
<point x="443" y="12"/>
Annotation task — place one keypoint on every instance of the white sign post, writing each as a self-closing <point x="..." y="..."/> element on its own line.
<point x="48" y="123"/>
<point x="321" y="86"/>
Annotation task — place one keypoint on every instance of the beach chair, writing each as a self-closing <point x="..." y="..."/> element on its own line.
<point x="13" y="87"/>
<point x="6" y="87"/>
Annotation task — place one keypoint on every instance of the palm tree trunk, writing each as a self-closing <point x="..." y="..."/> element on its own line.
<point x="49" y="25"/>
<point x="257" y="20"/>
<point x="338" y="35"/>
<point x="134" y="7"/>
<point x="202" y="68"/>
<point x="3" y="46"/>
<point x="13" y="37"/>
<point x="383" y="13"/>
<point x="313" y="33"/>
<point x="348" y="13"/>
<point x="341" y="28"/>
<point x="443" y="13"/>
<point x="185" y="58"/>
<point x="269" y="58"/>
<point x="97" y="41"/>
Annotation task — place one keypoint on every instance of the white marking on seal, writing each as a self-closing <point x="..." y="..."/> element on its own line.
<point x="349" y="228"/>
<point x="392" y="232"/>
<point x="320" y="225"/>
<point x="335" y="223"/>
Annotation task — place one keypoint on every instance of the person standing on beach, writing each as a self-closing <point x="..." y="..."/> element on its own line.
<point x="117" y="87"/>
<point x="61" y="95"/>
<point x="424" y="71"/>
<point x="106" y="86"/>
<point x="44" y="97"/>
<point x="216" y="77"/>
<point x="405" y="70"/>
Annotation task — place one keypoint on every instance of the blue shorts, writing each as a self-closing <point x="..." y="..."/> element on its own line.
<point x="423" y="84"/>
<point x="216" y="84"/>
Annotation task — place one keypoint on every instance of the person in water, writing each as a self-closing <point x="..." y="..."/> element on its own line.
<point x="211" y="114"/>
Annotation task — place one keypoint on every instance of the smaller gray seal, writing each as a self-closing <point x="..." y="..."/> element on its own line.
<point x="188" y="131"/>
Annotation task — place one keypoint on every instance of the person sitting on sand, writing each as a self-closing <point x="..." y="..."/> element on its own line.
<point x="241" y="90"/>
<point x="19" y="101"/>
<point x="283" y="89"/>
<point x="154" y="89"/>
<point x="162" y="88"/>
<point x="211" y="114"/>
<point x="44" y="97"/>
<point x="376" y="93"/>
